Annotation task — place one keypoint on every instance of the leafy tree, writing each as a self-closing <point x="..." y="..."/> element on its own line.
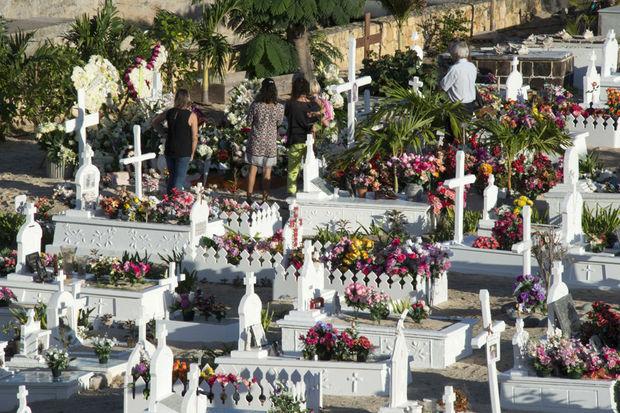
<point x="213" y="47"/>
<point x="279" y="31"/>
<point x="402" y="10"/>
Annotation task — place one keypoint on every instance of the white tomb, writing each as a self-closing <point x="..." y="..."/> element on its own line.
<point x="311" y="173"/>
<point x="591" y="84"/>
<point x="525" y="246"/>
<point x="490" y="194"/>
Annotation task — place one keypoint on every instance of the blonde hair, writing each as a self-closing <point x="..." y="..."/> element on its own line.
<point x="182" y="99"/>
<point x="315" y="87"/>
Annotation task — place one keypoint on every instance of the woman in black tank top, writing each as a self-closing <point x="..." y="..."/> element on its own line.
<point x="182" y="138"/>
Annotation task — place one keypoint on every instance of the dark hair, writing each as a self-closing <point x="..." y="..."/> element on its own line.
<point x="182" y="100"/>
<point x="301" y="87"/>
<point x="268" y="92"/>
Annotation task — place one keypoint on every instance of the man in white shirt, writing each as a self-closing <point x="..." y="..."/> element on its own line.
<point x="460" y="81"/>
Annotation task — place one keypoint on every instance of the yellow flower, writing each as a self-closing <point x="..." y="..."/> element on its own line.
<point x="486" y="169"/>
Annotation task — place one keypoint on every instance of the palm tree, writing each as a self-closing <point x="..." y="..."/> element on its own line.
<point x="401" y="10"/>
<point x="213" y="47"/>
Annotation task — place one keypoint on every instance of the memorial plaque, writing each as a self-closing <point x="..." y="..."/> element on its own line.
<point x="565" y="315"/>
<point x="323" y="186"/>
<point x="35" y="265"/>
<point x="493" y="349"/>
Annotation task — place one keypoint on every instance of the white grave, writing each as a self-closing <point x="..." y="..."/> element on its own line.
<point x="557" y="291"/>
<point x="514" y="83"/>
<point x="251" y="333"/>
<point x="490" y="338"/>
<point x="32" y="338"/>
<point x="63" y="306"/>
<point x="572" y="212"/>
<point x="161" y="370"/>
<point x="458" y="183"/>
<point x="28" y="239"/>
<point x="610" y="55"/>
<point x="137" y="159"/>
<point x="519" y="349"/>
<point x="22" y="397"/>
<point x="86" y="184"/>
<point x="525" y="246"/>
<point x="83" y="121"/>
<point x="449" y="397"/>
<point x="591" y="84"/>
<point x="352" y="87"/>
<point x="399" y="372"/>
<point x="490" y="194"/>
<point x="311" y="172"/>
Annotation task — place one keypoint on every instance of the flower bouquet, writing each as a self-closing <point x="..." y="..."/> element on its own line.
<point x="208" y="307"/>
<point x="531" y="294"/>
<point x="487" y="243"/>
<point x="419" y="311"/>
<point x="378" y="305"/>
<point x="142" y="370"/>
<point x="8" y="261"/>
<point x="6" y="296"/>
<point x="212" y="378"/>
<point x="320" y="341"/>
<point x="351" y="253"/>
<point x="103" y="348"/>
<point x="57" y="360"/>
<point x="133" y="270"/>
<point x="356" y="295"/>
<point x="185" y="302"/>
<point x="508" y="229"/>
<point x="180" y="368"/>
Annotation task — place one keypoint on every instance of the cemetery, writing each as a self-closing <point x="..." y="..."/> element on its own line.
<point x="294" y="207"/>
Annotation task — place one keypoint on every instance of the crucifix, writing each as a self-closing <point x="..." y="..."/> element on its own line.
<point x="448" y="399"/>
<point x="81" y="122"/>
<point x="416" y="85"/>
<point x="22" y="395"/>
<point x="137" y="160"/>
<point x="490" y="337"/>
<point x="525" y="247"/>
<point x="354" y="379"/>
<point x="368" y="39"/>
<point x="458" y="183"/>
<point x="352" y="87"/>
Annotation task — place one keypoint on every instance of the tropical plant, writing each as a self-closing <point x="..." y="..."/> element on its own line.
<point x="322" y="51"/>
<point x="266" y="317"/>
<point x="400" y="67"/>
<point x="213" y="47"/>
<point x="439" y="32"/>
<point x="600" y="225"/>
<point x="402" y="10"/>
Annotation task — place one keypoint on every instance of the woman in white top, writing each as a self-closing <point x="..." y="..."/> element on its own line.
<point x="460" y="81"/>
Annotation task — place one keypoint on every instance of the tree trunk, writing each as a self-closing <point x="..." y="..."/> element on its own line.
<point x="205" y="80"/>
<point x="301" y="39"/>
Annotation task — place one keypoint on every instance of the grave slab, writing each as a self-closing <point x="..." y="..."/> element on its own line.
<point x="40" y="386"/>
<point x="201" y="331"/>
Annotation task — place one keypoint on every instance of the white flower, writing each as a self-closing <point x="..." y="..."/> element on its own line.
<point x="126" y="45"/>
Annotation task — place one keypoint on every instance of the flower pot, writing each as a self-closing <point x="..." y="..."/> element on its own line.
<point x="4" y="303"/>
<point x="361" y="192"/>
<point x="414" y="192"/>
<point x="543" y="373"/>
<point x="188" y="315"/>
<point x="59" y="170"/>
<point x="362" y="357"/>
<point x="103" y="359"/>
<point x="575" y="374"/>
<point x="56" y="374"/>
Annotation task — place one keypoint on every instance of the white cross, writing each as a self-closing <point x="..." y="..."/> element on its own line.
<point x="162" y="335"/>
<point x="249" y="282"/>
<point x="352" y="87"/>
<point x="490" y="334"/>
<point x="525" y="247"/>
<point x="199" y="192"/>
<point x="588" y="272"/>
<point x="354" y="379"/>
<point x="416" y="85"/>
<point x="61" y="277"/>
<point x="141" y="322"/>
<point x="137" y="159"/>
<point x="448" y="399"/>
<point x="156" y="87"/>
<point x="83" y="121"/>
<point x="557" y="290"/>
<point x="30" y="212"/>
<point x="458" y="184"/>
<point x="22" y="395"/>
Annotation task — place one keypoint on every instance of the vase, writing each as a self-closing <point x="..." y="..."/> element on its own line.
<point x="188" y="315"/>
<point x="103" y="359"/>
<point x="56" y="374"/>
<point x="414" y="192"/>
<point x="543" y="373"/>
<point x="361" y="192"/>
<point x="362" y="357"/>
<point x="4" y="303"/>
<point x="575" y="375"/>
<point x="59" y="170"/>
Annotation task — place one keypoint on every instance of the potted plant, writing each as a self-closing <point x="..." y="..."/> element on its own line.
<point x="185" y="303"/>
<point x="600" y="227"/>
<point x="6" y="296"/>
<point x="57" y="360"/>
<point x="103" y="348"/>
<point x="356" y="295"/>
<point x="419" y="311"/>
<point x="541" y="359"/>
<point x="362" y="348"/>
<point x="377" y="302"/>
<point x="142" y="369"/>
<point x="531" y="294"/>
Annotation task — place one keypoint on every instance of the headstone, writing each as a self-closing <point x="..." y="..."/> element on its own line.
<point x="251" y="333"/>
<point x="610" y="55"/>
<point x="490" y="338"/>
<point x="83" y="121"/>
<point x="490" y="193"/>
<point x="120" y="179"/>
<point x="416" y="85"/>
<point x="87" y="183"/>
<point x="572" y="212"/>
<point x="161" y="370"/>
<point x="519" y="349"/>
<point x="62" y="313"/>
<point x="311" y="166"/>
<point x="137" y="159"/>
<point x="28" y="239"/>
<point x="525" y="247"/>
<point x="591" y="84"/>
<point x="22" y="396"/>
<point x="448" y="400"/>
<point x="557" y="291"/>
<point x="292" y="233"/>
<point x="458" y="183"/>
<point x="514" y="83"/>
<point x="352" y="87"/>
<point x="199" y="217"/>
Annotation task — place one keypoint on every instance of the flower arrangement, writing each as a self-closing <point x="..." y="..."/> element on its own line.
<point x="139" y="77"/>
<point x="441" y="199"/>
<point x="103" y="348"/>
<point x="211" y="377"/>
<point x="378" y="305"/>
<point x="419" y="311"/>
<point x="234" y="244"/>
<point x="132" y="269"/>
<point x="142" y="370"/>
<point x="508" y="229"/>
<point x="325" y="342"/>
<point x="355" y="295"/>
<point x="6" y="296"/>
<point x="173" y="208"/>
<point x="361" y="297"/>
<point x="208" y="307"/>
<point x="351" y="253"/>
<point x="241" y="97"/>
<point x="415" y="168"/>
<point x="180" y="368"/>
<point x="531" y="294"/>
<point x="604" y="322"/>
<point x="366" y="178"/>
<point x="535" y="174"/>
<point x="99" y="79"/>
<point x="184" y="302"/>
<point x="57" y="360"/>
<point x="487" y="243"/>
<point x="520" y="202"/>
<point x="8" y="261"/>
<point x="60" y="147"/>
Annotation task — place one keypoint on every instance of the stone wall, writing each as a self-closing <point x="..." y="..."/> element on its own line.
<point x="509" y="13"/>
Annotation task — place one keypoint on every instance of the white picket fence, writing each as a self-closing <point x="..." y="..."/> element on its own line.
<point x="603" y="132"/>
<point x="263" y="221"/>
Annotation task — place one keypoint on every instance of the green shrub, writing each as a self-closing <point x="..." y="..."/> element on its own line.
<point x="9" y="227"/>
<point x="439" y="33"/>
<point x="600" y="226"/>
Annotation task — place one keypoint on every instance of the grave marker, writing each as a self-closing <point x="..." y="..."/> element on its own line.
<point x="161" y="370"/>
<point x="416" y="48"/>
<point x="572" y="212"/>
<point x="610" y="55"/>
<point x="416" y="85"/>
<point x="525" y="247"/>
<point x="81" y="122"/>
<point x="137" y="160"/>
<point x="28" y="239"/>
<point x="352" y="87"/>
<point x="448" y="399"/>
<point x="591" y="84"/>
<point x="490" y="337"/>
<point x="20" y="203"/>
<point x="514" y="83"/>
<point x="490" y="193"/>
<point x="22" y="396"/>
<point x="311" y="166"/>
<point x="87" y="183"/>
<point x="519" y="349"/>
<point x="368" y="39"/>
<point x="557" y="291"/>
<point x="458" y="183"/>
<point x="251" y="333"/>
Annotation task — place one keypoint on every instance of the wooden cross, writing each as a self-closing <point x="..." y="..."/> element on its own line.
<point x="83" y="121"/>
<point x="368" y="39"/>
<point x="22" y="395"/>
<point x="137" y="160"/>
<point x="458" y="183"/>
<point x="490" y="336"/>
<point x="352" y="87"/>
<point x="448" y="399"/>
<point x="525" y="247"/>
<point x="416" y="85"/>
